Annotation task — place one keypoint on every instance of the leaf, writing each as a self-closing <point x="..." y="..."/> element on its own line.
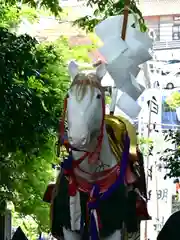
<point x="104" y="9"/>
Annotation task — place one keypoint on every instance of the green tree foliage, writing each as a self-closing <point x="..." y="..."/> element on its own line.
<point x="9" y="16"/>
<point x="79" y="53"/>
<point x="53" y="6"/>
<point x="104" y="9"/>
<point x="108" y="100"/>
<point x="174" y="100"/>
<point x="146" y="145"/>
<point x="171" y="155"/>
<point x="27" y="224"/>
<point x="33" y="81"/>
<point x="30" y="187"/>
<point x="12" y="15"/>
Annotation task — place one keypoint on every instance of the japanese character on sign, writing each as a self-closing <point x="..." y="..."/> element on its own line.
<point x="161" y="194"/>
<point x="153" y="105"/>
<point x="150" y="173"/>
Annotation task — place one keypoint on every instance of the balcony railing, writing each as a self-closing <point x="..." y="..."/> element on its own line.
<point x="160" y="45"/>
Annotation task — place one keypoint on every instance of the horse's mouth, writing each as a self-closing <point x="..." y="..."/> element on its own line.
<point x="78" y="146"/>
<point x="87" y="146"/>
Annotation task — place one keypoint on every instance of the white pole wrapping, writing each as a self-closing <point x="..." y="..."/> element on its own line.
<point x="147" y="166"/>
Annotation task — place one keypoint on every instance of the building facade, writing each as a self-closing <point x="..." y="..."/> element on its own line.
<point x="163" y="19"/>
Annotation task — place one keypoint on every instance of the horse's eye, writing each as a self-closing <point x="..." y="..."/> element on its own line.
<point x="98" y="96"/>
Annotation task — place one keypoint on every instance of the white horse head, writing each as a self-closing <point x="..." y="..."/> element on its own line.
<point x="84" y="106"/>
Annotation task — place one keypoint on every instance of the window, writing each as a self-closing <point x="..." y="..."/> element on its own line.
<point x="176" y="32"/>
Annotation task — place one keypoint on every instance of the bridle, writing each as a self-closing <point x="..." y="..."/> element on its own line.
<point x="92" y="156"/>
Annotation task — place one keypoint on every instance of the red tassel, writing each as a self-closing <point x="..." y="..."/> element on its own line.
<point x="72" y="188"/>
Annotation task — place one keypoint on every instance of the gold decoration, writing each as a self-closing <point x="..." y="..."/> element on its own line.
<point x="116" y="129"/>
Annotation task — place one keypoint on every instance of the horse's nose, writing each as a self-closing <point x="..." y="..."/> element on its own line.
<point x="78" y="142"/>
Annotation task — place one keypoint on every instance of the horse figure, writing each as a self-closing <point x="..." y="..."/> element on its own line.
<point x="98" y="192"/>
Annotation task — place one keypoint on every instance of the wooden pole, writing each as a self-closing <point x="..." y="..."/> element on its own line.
<point x="125" y="20"/>
<point x="123" y="36"/>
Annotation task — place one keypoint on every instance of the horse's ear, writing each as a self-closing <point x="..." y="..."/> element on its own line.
<point x="101" y="71"/>
<point x="73" y="68"/>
